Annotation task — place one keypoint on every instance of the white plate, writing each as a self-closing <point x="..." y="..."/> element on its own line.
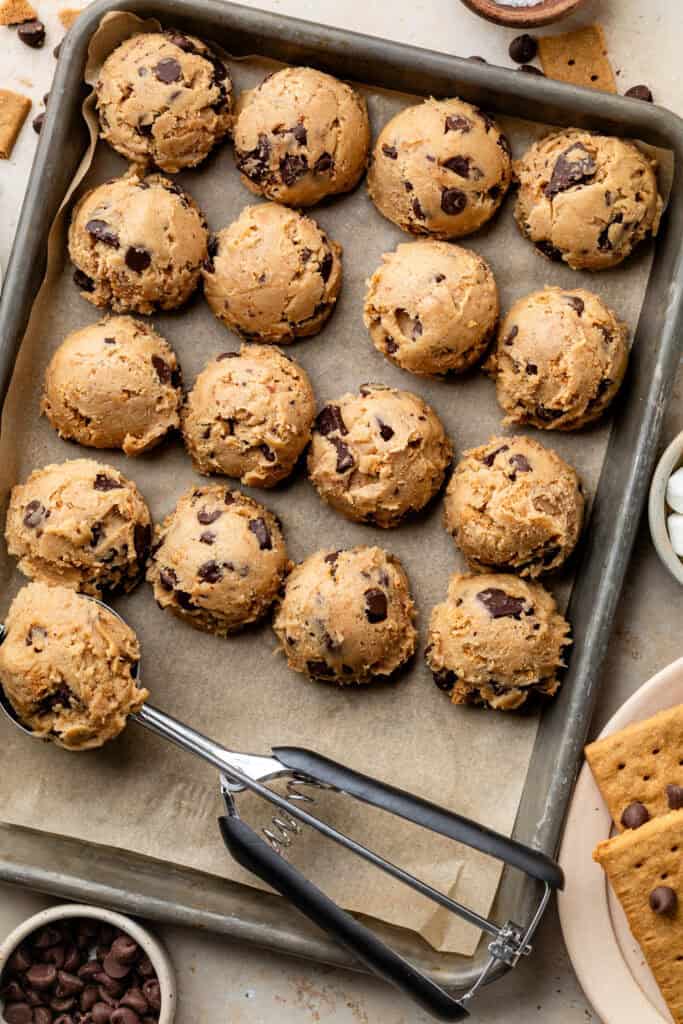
<point x="607" y="960"/>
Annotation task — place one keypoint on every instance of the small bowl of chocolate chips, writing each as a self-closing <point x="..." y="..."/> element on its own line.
<point x="74" y="964"/>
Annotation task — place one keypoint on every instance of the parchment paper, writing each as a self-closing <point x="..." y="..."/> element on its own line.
<point x="140" y="794"/>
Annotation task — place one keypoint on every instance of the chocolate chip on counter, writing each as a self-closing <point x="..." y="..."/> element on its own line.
<point x="82" y="281"/>
<point x="390" y="151"/>
<point x="207" y="516"/>
<point x="460" y="165"/>
<point x="329" y="420"/>
<point x="571" y="169"/>
<point x="386" y="432"/>
<point x="635" y="815"/>
<point x="292" y="167"/>
<point x="34" y="514"/>
<point x="259" y="528"/>
<point x="102" y="232"/>
<point x="639" y="92"/>
<point x="523" y="48"/>
<point x="548" y="250"/>
<point x="38" y="122"/>
<point x="499" y="604"/>
<point x="137" y="258"/>
<point x="663" y="900"/>
<point x="324" y="163"/>
<point x="32" y="33"/>
<point x="41" y="976"/>
<point x="168" y="580"/>
<point x="674" y="795"/>
<point x="345" y="459"/>
<point x="17" y="1013"/>
<point x="577" y="303"/>
<point x="152" y="993"/>
<point x="210" y="572"/>
<point x="529" y="69"/>
<point x="103" y="482"/>
<point x="520" y="463"/>
<point x="453" y="201"/>
<point x="168" y="70"/>
<point x="375" y="605"/>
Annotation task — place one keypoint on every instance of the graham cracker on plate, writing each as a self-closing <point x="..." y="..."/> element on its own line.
<point x="638" y="763"/>
<point x="644" y="867"/>
<point x="14" y="110"/>
<point x="578" y="57"/>
<point x="14" y="12"/>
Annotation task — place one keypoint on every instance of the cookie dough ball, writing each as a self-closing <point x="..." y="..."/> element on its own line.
<point x="514" y="504"/>
<point x="218" y="560"/>
<point x="138" y="244"/>
<point x="587" y="199"/>
<point x="496" y="640"/>
<point x="249" y="415"/>
<point x="68" y="667"/>
<point x="273" y="275"/>
<point x="81" y="524"/>
<point x="440" y="168"/>
<point x="164" y="98"/>
<point x="432" y="307"/>
<point x="347" y="616"/>
<point x="560" y="359"/>
<point x="113" y="384"/>
<point x="300" y="136"/>
<point x="378" y="455"/>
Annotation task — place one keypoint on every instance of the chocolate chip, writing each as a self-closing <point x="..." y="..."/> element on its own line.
<point x="168" y="70"/>
<point x="68" y="984"/>
<point x="210" y="572"/>
<point x="639" y="92"/>
<point x="548" y="415"/>
<point x="259" y="528"/>
<point x="124" y="1015"/>
<point x="100" y="230"/>
<point x="254" y="164"/>
<point x="17" y="1013"/>
<point x="329" y="420"/>
<point x="674" y="795"/>
<point x="569" y="172"/>
<point x="42" y="1015"/>
<point x="168" y="579"/>
<point x="332" y="558"/>
<point x="82" y="281"/>
<point x="101" y="1013"/>
<point x="529" y="69"/>
<point x="635" y="815"/>
<point x="142" y="538"/>
<point x="500" y="605"/>
<point x="90" y="968"/>
<point x="418" y="212"/>
<point x="504" y="144"/>
<point x="345" y="460"/>
<point x="386" y="432"/>
<point x="445" y="679"/>
<point x="32" y="33"/>
<point x="375" y="605"/>
<point x="456" y="123"/>
<point x="207" y="516"/>
<point x="184" y="600"/>
<point x="453" y="201"/>
<point x="390" y="151"/>
<point x="548" y="250"/>
<point x="137" y="258"/>
<point x="292" y="167"/>
<point x="162" y="368"/>
<point x="324" y="163"/>
<point x="514" y="331"/>
<point x="531" y="369"/>
<point x="576" y="303"/>
<point x="325" y="267"/>
<point x="34" y="514"/>
<point x="663" y="900"/>
<point x="38" y="122"/>
<point x="103" y="482"/>
<point x="390" y="345"/>
<point x="459" y="165"/>
<point x="135" y="999"/>
<point x="41" y="976"/>
<point x="46" y="937"/>
<point x="520" y="463"/>
<point x="523" y="48"/>
<point x="89" y="996"/>
<point x="489" y="459"/>
<point x="319" y="668"/>
<point x="20" y="960"/>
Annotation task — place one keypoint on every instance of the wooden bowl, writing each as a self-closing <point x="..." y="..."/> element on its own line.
<point x="523" y="17"/>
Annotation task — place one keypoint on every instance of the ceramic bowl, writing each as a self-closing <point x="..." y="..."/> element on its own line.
<point x="658" y="509"/>
<point x="523" y="17"/>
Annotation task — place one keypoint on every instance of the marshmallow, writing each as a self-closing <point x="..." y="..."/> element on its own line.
<point x="674" y="525"/>
<point x="674" y="491"/>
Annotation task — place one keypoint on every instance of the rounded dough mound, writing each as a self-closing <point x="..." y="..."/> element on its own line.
<point x="81" y="524"/>
<point x="496" y="640"/>
<point x="378" y="455"/>
<point x="218" y="560"/>
<point x="347" y="616"/>
<point x="432" y="307"/>
<point x="301" y="135"/>
<point x="273" y="275"/>
<point x="68" y="667"/>
<point x="560" y="359"/>
<point x="249" y="416"/>
<point x="513" y="504"/>
<point x="587" y="199"/>
<point x="440" y="168"/>
<point x="138" y="244"/>
<point x="113" y="384"/>
<point x="164" y="98"/>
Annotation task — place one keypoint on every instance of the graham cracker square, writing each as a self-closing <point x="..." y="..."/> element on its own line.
<point x="578" y="57"/>
<point x="14" y="110"/>
<point x="636" y="863"/>
<point x="637" y="764"/>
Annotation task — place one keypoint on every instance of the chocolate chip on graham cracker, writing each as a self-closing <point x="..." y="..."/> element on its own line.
<point x="14" y="110"/>
<point x="579" y="58"/>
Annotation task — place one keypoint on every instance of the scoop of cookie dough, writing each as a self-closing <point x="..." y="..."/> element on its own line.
<point x="587" y="199"/>
<point x="559" y="360"/>
<point x="273" y="274"/>
<point x="347" y="616"/>
<point x="113" y="384"/>
<point x="440" y="168"/>
<point x="218" y="560"/>
<point x="164" y="98"/>
<point x="249" y="416"/>
<point x="514" y="504"/>
<point x="432" y="307"/>
<point x="138" y="244"/>
<point x="81" y="524"/>
<point x="68" y="667"/>
<point x="301" y="135"/>
<point x="378" y="455"/>
<point x="496" y="640"/>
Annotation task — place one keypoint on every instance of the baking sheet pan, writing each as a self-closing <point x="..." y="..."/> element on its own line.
<point x="631" y="447"/>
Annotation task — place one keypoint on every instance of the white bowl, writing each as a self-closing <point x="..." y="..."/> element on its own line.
<point x="657" y="507"/>
<point x="152" y="947"/>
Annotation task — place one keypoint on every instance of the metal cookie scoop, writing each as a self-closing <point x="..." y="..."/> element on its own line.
<point x="300" y="767"/>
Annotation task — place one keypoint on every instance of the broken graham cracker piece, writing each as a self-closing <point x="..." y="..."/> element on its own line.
<point x="14" y="12"/>
<point x="645" y="869"/>
<point x="14" y="110"/>
<point x="68" y="15"/>
<point x="578" y="57"/>
<point x="642" y="763"/>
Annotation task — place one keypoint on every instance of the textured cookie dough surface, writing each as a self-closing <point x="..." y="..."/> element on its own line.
<point x="218" y="560"/>
<point x="560" y="359"/>
<point x="587" y="199"/>
<point x="273" y="274"/>
<point x="138" y="244"/>
<point x="113" y="384"/>
<point x="514" y="504"/>
<point x="249" y="416"/>
<point x="81" y="524"/>
<point x="68" y="667"/>
<point x="440" y="168"/>
<point x="378" y="455"/>
<point x="301" y="135"/>
<point x="496" y="640"/>
<point x="164" y="98"/>
<point x="347" y="616"/>
<point x="432" y="307"/>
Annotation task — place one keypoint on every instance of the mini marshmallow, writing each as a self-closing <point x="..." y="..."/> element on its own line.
<point x="674" y="525"/>
<point x="674" y="491"/>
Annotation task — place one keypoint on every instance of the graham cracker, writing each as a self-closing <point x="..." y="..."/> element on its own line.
<point x="639" y="762"/>
<point x="14" y="110"/>
<point x="637" y="862"/>
<point x="578" y="57"/>
<point x="14" y="12"/>
<point x="68" y="15"/>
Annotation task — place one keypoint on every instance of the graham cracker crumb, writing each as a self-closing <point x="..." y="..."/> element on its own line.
<point x="14" y="12"/>
<point x="579" y="58"/>
<point x="14" y="110"/>
<point x="68" y="15"/>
